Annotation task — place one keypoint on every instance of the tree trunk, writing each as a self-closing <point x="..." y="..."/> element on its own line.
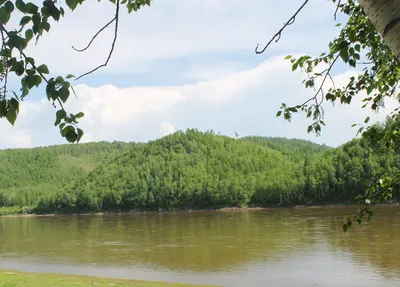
<point x="385" y="15"/>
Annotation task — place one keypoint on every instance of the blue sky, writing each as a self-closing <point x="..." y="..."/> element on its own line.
<point x="185" y="64"/>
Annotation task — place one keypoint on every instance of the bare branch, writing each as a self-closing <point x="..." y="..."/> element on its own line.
<point x="116" y="19"/>
<point x="278" y="35"/>
<point x="333" y="82"/>
<point x="337" y="9"/>
<point x="323" y="82"/>
<point x="95" y="36"/>
<point x="365" y="63"/>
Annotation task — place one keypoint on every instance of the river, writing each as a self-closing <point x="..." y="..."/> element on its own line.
<point x="272" y="247"/>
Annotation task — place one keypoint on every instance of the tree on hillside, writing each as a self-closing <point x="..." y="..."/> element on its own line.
<point x="370" y="40"/>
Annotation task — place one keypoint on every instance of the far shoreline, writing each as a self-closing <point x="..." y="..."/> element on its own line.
<point x="222" y="209"/>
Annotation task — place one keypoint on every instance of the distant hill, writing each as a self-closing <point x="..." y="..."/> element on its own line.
<point x="27" y="174"/>
<point x="184" y="170"/>
<point x="290" y="147"/>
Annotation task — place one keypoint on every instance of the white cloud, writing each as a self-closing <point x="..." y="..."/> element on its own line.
<point x="176" y="29"/>
<point x="166" y="128"/>
<point x="244" y="101"/>
<point x="211" y="43"/>
<point x="13" y="136"/>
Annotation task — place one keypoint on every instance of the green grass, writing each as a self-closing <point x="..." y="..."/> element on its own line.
<point x="21" y="279"/>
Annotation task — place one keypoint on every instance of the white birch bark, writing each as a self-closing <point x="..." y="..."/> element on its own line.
<point x="385" y="15"/>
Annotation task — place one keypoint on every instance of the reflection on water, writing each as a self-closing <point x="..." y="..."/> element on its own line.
<point x="281" y="247"/>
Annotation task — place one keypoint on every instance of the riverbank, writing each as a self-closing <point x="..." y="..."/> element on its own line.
<point x="21" y="279"/>
<point x="25" y="212"/>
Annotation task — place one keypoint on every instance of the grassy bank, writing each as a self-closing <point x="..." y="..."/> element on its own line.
<point x="21" y="279"/>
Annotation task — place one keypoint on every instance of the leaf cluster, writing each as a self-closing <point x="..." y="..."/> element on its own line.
<point x="34" y="22"/>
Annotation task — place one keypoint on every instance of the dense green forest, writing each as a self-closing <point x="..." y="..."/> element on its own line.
<point x="186" y="170"/>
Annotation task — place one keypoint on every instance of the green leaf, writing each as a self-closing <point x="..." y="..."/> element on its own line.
<point x="9" y="6"/>
<point x="61" y="114"/>
<point x="6" y="53"/>
<point x="54" y="95"/>
<point x="71" y="136"/>
<point x="45" y="26"/>
<point x="4" y="15"/>
<point x="80" y="134"/>
<point x="288" y="57"/>
<point x="16" y="41"/>
<point x="71" y="4"/>
<point x="20" y="5"/>
<point x="66" y="130"/>
<point x="59" y="80"/>
<point x="69" y="76"/>
<point x="344" y="55"/>
<point x="28" y="34"/>
<point x="31" y="8"/>
<point x="14" y="104"/>
<point x="79" y="115"/>
<point x="11" y="116"/>
<point x="278" y="113"/>
<point x="54" y="12"/>
<point x="43" y="69"/>
<point x="309" y="83"/>
<point x="3" y="107"/>
<point x="64" y="94"/>
<point x="366" y="120"/>
<point x="57" y="122"/>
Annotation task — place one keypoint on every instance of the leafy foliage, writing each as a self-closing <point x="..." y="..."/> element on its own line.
<point x="358" y="45"/>
<point x="34" y="23"/>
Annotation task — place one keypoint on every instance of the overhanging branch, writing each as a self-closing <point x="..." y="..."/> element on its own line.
<point x="116" y="20"/>
<point x="278" y="35"/>
<point x="95" y="36"/>
<point x="29" y="60"/>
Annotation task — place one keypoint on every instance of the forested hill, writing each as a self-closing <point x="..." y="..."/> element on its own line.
<point x="27" y="175"/>
<point x="186" y="170"/>
<point x="288" y="146"/>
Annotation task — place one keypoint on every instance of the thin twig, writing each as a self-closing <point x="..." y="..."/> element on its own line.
<point x="278" y="35"/>
<point x="337" y="9"/>
<point x="326" y="75"/>
<point x="333" y="82"/>
<point x="94" y="37"/>
<point x="323" y="82"/>
<point x="112" y="45"/>
<point x="365" y="63"/>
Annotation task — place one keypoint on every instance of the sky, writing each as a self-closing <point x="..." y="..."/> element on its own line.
<point x="185" y="64"/>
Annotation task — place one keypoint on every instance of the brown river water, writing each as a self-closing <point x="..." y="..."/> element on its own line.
<point x="272" y="247"/>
